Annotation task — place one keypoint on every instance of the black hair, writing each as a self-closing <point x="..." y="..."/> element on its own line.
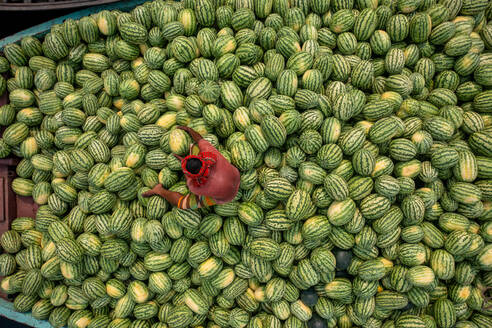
<point x="193" y="165"/>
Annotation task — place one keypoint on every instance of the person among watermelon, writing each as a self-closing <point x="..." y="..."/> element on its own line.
<point x="211" y="178"/>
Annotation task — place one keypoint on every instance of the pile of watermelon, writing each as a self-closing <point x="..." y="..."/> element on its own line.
<point x="362" y="130"/>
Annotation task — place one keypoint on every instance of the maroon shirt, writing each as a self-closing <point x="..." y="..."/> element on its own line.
<point x="222" y="181"/>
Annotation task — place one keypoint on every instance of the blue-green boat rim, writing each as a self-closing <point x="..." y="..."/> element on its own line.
<point x="7" y="311"/>
<point x="43" y="28"/>
<point x="6" y="307"/>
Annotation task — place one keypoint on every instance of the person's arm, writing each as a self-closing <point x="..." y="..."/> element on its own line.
<point x="171" y="196"/>
<point x="189" y="201"/>
<point x="193" y="134"/>
<point x="203" y="146"/>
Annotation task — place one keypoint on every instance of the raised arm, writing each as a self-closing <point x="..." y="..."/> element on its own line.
<point x="193" y="134"/>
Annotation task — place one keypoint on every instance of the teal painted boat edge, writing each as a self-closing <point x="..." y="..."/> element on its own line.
<point x="43" y="28"/>
<point x="7" y="311"/>
<point x="6" y="307"/>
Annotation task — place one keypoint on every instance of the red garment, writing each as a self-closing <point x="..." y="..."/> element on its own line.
<point x="218" y="179"/>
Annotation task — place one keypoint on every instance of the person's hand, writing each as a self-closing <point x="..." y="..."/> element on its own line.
<point x="194" y="135"/>
<point x="157" y="190"/>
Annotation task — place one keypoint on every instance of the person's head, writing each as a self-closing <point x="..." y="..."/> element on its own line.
<point x="193" y="165"/>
